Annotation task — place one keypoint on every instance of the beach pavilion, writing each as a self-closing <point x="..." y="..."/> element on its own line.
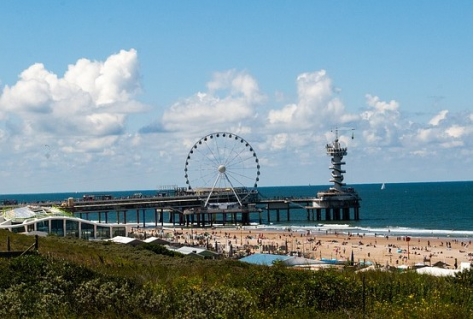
<point x="55" y="221"/>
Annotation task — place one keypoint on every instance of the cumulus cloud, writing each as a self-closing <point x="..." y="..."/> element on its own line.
<point x="318" y="109"/>
<point x="92" y="99"/>
<point x="384" y="127"/>
<point x="232" y="97"/>
<point x="381" y="122"/>
<point x="318" y="105"/>
<point x="82" y="116"/>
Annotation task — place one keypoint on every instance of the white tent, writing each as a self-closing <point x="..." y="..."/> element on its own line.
<point x="436" y="271"/>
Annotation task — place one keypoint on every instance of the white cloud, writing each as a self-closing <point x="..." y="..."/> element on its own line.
<point x="457" y="131"/>
<point x="317" y="107"/>
<point x="232" y="98"/>
<point x="92" y="99"/>
<point x="438" y="118"/>
<point x="381" y="122"/>
<point x="83" y="115"/>
<point x="112" y="81"/>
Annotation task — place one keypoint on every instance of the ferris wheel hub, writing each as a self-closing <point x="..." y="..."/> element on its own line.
<point x="221" y="169"/>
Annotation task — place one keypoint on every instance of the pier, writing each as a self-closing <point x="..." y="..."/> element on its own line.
<point x="216" y="201"/>
<point x="188" y="210"/>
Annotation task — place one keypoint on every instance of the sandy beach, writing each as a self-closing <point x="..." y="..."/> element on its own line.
<point x="382" y="250"/>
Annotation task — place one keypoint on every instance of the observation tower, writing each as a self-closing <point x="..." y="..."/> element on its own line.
<point x="338" y="198"/>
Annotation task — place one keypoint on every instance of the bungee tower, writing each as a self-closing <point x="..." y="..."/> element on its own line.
<point x="337" y="153"/>
<point x="338" y="201"/>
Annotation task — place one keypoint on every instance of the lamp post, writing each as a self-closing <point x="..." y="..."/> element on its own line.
<point x="408" y="244"/>
<point x="241" y="235"/>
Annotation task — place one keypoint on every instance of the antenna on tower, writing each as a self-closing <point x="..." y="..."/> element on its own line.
<point x="336" y="130"/>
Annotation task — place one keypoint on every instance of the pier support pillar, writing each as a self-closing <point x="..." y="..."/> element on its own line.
<point x="328" y="213"/>
<point x="318" y="214"/>
<point x="346" y="214"/>
<point x="245" y="218"/>
<point x="198" y="219"/>
<point x="143" y="215"/>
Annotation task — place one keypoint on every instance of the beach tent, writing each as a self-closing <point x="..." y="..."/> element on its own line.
<point x="195" y="252"/>
<point x="126" y="240"/>
<point x="436" y="271"/>
<point x="157" y="241"/>
<point x="300" y="261"/>
<point x="186" y="250"/>
<point x="403" y="267"/>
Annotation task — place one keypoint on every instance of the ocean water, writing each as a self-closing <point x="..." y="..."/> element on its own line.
<point x="418" y="209"/>
<point x="401" y="209"/>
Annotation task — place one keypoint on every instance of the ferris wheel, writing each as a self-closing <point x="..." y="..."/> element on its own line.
<point x="222" y="162"/>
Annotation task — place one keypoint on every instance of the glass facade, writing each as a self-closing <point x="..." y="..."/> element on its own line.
<point x="118" y="231"/>
<point x="103" y="232"/>
<point x="72" y="228"/>
<point x="87" y="231"/>
<point x="57" y="227"/>
<point x="42" y="225"/>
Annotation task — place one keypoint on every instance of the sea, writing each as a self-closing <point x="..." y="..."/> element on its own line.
<point x="431" y="209"/>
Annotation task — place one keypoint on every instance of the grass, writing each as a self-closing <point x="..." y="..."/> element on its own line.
<point x="75" y="278"/>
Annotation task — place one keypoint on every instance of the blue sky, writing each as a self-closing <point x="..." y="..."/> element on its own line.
<point x="111" y="95"/>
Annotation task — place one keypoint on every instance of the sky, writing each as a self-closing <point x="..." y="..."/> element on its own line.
<point x="113" y="95"/>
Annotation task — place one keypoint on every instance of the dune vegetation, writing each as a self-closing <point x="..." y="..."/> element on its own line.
<point x="73" y="278"/>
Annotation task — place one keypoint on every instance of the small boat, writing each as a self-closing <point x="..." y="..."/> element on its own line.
<point x="383" y="186"/>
